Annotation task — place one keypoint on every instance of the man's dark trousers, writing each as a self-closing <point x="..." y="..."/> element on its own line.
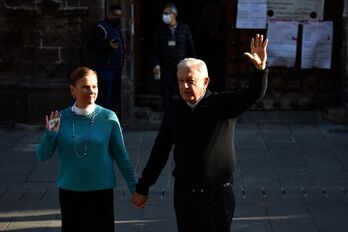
<point x="200" y="209"/>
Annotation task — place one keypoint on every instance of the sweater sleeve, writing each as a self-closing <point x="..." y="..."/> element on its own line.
<point x="158" y="158"/>
<point x="47" y="146"/>
<point x="232" y="104"/>
<point x="120" y="155"/>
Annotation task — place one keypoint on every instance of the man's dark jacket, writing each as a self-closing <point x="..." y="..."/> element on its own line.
<point x="171" y="55"/>
<point x="99" y="42"/>
<point x="203" y="137"/>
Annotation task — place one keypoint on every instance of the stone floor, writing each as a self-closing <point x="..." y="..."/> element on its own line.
<point x="292" y="175"/>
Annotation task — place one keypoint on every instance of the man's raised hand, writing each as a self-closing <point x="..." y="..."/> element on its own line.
<point x="258" y="53"/>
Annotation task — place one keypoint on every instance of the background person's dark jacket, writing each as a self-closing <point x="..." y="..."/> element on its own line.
<point x="203" y="137"/>
<point x="171" y="55"/>
<point x="99" y="42"/>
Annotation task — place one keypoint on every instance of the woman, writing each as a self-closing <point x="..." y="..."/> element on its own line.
<point x="89" y="139"/>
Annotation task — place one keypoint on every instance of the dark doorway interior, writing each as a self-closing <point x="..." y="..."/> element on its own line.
<point x="207" y="23"/>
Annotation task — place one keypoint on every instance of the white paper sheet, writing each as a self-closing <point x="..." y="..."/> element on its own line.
<point x="282" y="36"/>
<point x="252" y="14"/>
<point x="317" y="45"/>
<point x="296" y="9"/>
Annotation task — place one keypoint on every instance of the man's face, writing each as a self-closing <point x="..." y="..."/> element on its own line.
<point x="191" y="86"/>
<point x="168" y="13"/>
<point x="114" y="15"/>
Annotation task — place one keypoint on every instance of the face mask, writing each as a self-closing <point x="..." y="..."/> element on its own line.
<point x="166" y="18"/>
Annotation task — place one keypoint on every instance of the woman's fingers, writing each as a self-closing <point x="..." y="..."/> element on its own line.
<point x="46" y="119"/>
<point x="54" y="114"/>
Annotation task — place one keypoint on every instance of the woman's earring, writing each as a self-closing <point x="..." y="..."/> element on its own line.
<point x="73" y="97"/>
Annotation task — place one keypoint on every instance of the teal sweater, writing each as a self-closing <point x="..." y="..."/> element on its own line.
<point x="95" y="171"/>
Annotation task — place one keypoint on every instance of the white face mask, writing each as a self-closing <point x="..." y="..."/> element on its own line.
<point x="166" y="18"/>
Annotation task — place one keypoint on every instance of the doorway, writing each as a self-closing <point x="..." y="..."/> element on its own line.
<point x="202" y="17"/>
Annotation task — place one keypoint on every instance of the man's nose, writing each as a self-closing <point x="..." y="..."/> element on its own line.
<point x="90" y="90"/>
<point x="186" y="85"/>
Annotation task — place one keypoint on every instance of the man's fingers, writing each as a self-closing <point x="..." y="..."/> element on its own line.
<point x="257" y="40"/>
<point x="261" y="40"/>
<point x="251" y="57"/>
<point x="252" y="44"/>
<point x="265" y="43"/>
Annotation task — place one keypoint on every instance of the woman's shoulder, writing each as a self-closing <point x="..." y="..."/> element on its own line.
<point x="66" y="111"/>
<point x="106" y="113"/>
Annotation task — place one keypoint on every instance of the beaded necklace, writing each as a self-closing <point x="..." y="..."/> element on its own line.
<point x="86" y="140"/>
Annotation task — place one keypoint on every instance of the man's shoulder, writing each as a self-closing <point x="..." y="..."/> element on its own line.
<point x="104" y="25"/>
<point x="102" y="21"/>
<point x="182" y="25"/>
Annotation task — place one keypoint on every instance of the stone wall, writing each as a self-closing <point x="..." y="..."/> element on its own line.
<point x="41" y="42"/>
<point x="40" y="45"/>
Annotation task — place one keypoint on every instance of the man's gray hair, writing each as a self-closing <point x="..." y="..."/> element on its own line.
<point x="201" y="67"/>
<point x="172" y="7"/>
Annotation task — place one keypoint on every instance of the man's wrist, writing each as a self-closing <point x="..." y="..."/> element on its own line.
<point x="261" y="67"/>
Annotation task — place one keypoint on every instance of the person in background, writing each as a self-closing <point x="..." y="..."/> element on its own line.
<point x="200" y="126"/>
<point x="108" y="45"/>
<point x="172" y="42"/>
<point x="89" y="140"/>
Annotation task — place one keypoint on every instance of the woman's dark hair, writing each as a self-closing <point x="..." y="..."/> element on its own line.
<point x="79" y="73"/>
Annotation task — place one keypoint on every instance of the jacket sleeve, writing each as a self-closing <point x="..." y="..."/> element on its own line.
<point x="97" y="40"/>
<point x="232" y="104"/>
<point x="119" y="153"/>
<point x="158" y="158"/>
<point x="47" y="146"/>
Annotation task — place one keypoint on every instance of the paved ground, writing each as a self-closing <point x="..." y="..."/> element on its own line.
<point x="292" y="175"/>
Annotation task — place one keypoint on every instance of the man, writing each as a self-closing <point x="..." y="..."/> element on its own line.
<point x="172" y="42"/>
<point x="201" y="128"/>
<point x="107" y="43"/>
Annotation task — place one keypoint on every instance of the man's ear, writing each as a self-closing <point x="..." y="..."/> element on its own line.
<point x="206" y="81"/>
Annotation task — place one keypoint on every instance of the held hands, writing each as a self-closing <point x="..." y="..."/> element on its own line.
<point x="53" y="121"/>
<point x="138" y="200"/>
<point x="258" y="53"/>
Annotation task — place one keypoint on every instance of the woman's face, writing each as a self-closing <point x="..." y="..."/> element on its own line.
<point x="85" y="90"/>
